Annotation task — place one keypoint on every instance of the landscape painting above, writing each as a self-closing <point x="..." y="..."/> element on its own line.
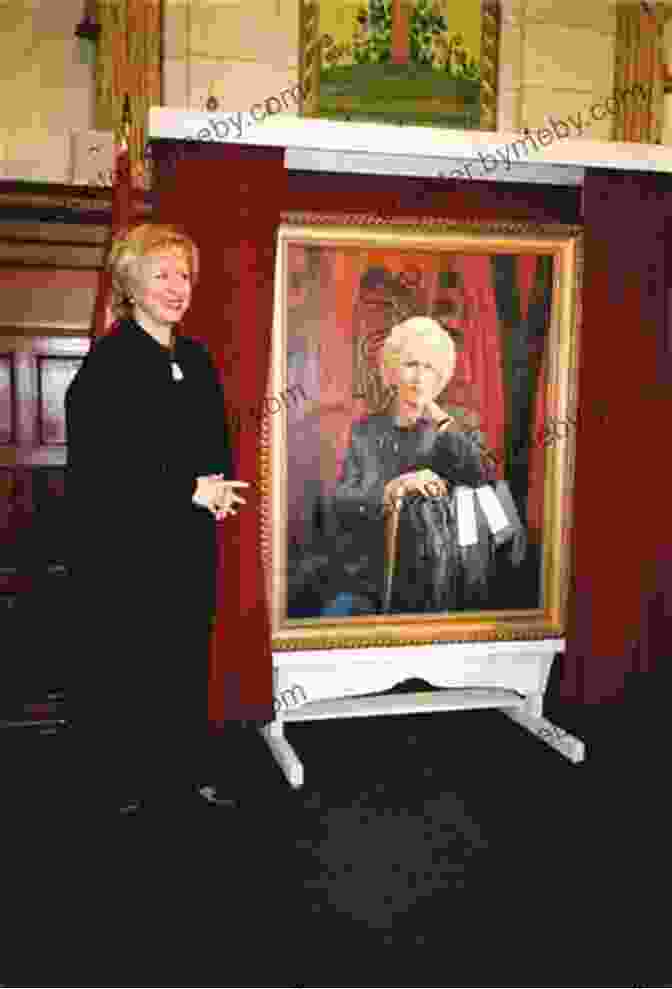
<point x="420" y="62"/>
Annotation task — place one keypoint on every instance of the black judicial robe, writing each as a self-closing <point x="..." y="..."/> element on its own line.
<point x="380" y="451"/>
<point x="142" y="556"/>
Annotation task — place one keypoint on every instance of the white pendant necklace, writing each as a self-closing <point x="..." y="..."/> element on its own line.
<point x="177" y="371"/>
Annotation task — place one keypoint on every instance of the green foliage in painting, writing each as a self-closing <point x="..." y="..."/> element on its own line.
<point x="372" y="37"/>
<point x="430" y="44"/>
<point x="437" y="83"/>
<point x="427" y="24"/>
<point x="456" y="61"/>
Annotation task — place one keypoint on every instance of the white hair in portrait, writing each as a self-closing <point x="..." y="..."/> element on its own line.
<point x="419" y="338"/>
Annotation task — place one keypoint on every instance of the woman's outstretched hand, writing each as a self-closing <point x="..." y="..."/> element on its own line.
<point x="218" y="496"/>
<point x="225" y="501"/>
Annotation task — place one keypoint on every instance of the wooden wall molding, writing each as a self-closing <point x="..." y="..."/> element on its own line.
<point x="88" y="204"/>
<point x="49" y="225"/>
<point x="35" y="255"/>
<point x="33" y="330"/>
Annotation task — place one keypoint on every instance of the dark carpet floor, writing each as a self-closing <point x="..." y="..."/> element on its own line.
<point x="444" y="850"/>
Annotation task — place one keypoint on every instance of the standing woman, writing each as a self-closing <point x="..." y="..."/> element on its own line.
<point x="149" y="474"/>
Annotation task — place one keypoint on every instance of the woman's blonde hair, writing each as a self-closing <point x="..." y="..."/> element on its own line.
<point x="419" y="337"/>
<point x="134" y="244"/>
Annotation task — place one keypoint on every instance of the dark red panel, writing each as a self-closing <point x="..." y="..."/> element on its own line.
<point x="623" y="532"/>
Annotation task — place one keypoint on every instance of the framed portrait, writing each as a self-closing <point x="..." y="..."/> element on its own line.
<point x="417" y="481"/>
<point x="420" y="62"/>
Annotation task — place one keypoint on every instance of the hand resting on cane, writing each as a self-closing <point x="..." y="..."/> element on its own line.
<point x="423" y="482"/>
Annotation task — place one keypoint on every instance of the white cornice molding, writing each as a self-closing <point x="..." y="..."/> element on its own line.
<point x="444" y="150"/>
<point x="301" y="160"/>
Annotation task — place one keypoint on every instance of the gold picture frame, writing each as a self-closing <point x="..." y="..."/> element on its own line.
<point x="323" y="284"/>
<point x="464" y="94"/>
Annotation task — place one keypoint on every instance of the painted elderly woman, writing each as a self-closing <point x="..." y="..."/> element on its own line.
<point x="149" y="474"/>
<point x="402" y="473"/>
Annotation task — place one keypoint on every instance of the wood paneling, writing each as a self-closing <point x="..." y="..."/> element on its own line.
<point x="54" y="374"/>
<point x="50" y="255"/>
<point x="37" y="372"/>
<point x="33" y="397"/>
<point x="73" y="204"/>
<point x="7" y="510"/>
<point x="7" y="399"/>
<point x="52" y="241"/>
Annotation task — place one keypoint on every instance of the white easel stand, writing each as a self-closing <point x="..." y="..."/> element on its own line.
<point x="330" y="683"/>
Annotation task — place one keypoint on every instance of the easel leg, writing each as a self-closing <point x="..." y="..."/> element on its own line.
<point x="282" y="751"/>
<point x="531" y="718"/>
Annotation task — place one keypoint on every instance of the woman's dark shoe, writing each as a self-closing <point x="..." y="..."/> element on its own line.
<point x="217" y="797"/>
<point x="129" y="807"/>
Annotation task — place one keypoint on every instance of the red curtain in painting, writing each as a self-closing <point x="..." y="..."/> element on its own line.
<point x="482" y="352"/>
<point x="478" y="363"/>
<point x="338" y="408"/>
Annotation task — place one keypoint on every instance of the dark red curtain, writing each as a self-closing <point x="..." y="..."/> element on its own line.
<point x="233" y="214"/>
<point x="620" y="622"/>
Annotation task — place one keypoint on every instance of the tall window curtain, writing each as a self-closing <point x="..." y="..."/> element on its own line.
<point x="129" y="61"/>
<point x="640" y="61"/>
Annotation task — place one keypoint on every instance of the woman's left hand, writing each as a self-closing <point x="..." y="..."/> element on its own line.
<point x="226" y="498"/>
